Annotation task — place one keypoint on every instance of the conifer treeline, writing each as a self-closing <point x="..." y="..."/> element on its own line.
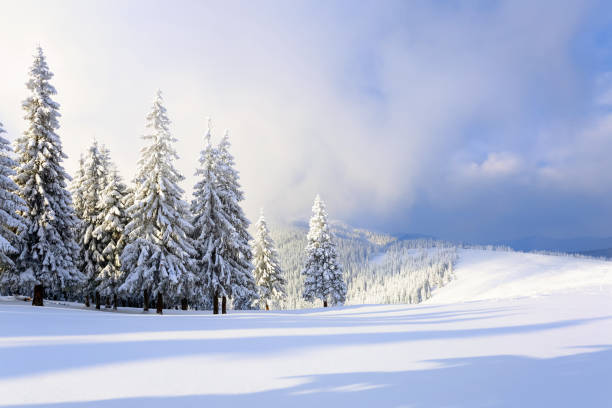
<point x="139" y="244"/>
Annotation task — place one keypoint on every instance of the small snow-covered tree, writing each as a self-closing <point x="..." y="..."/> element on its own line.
<point x="89" y="189"/>
<point x="158" y="257"/>
<point x="239" y="254"/>
<point x="11" y="222"/>
<point x="268" y="274"/>
<point x="322" y="272"/>
<point x="49" y="251"/>
<point x="111" y="232"/>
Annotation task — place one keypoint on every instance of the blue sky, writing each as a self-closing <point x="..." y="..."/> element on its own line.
<point x="481" y="120"/>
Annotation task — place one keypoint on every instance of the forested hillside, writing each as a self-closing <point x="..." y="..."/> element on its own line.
<point x="378" y="268"/>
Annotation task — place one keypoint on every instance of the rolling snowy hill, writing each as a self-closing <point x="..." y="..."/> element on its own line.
<point x="511" y="329"/>
<point x="482" y="274"/>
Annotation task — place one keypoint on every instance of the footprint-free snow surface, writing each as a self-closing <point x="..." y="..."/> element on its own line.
<point x="549" y="350"/>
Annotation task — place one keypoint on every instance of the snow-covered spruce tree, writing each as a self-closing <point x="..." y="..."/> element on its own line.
<point x="158" y="257"/>
<point x="76" y="189"/>
<point x="111" y="232"/>
<point x="239" y="255"/>
<point x="89" y="188"/>
<point x="49" y="252"/>
<point x="11" y="222"/>
<point x="268" y="274"/>
<point x="322" y="272"/>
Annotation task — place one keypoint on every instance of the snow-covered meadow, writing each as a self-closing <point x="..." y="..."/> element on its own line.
<point x="552" y="347"/>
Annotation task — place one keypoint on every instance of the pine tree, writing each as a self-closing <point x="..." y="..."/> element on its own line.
<point x="268" y="274"/>
<point x="158" y="257"/>
<point x="91" y="182"/>
<point x="11" y="222"/>
<point x="222" y="262"/>
<point x="49" y="251"/>
<point x="322" y="272"/>
<point x="111" y="232"/>
<point x="239" y="255"/>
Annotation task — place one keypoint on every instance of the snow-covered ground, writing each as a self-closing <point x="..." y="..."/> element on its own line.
<point x="554" y="349"/>
<point x="481" y="275"/>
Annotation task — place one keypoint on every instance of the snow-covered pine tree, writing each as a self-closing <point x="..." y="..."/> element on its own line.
<point x="89" y="190"/>
<point x="268" y="274"/>
<point x="76" y="189"/>
<point x="158" y="257"/>
<point x="322" y="272"/>
<point x="211" y="228"/>
<point x="49" y="251"/>
<point x="111" y="232"/>
<point x="11" y="222"/>
<point x="239" y="255"/>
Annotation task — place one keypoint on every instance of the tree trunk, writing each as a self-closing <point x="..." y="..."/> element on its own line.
<point x="39" y="293"/>
<point x="224" y="305"/>
<point x="160" y="303"/>
<point x="267" y="307"/>
<point x="216" y="303"/>
<point x="184" y="304"/>
<point x="97" y="300"/>
<point x="146" y="300"/>
<point x="114" y="301"/>
<point x="325" y="303"/>
<point x="87" y="300"/>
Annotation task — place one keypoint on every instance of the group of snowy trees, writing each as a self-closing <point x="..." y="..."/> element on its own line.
<point x="144" y="242"/>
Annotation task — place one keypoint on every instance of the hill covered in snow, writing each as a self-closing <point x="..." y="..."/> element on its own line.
<point x="383" y="269"/>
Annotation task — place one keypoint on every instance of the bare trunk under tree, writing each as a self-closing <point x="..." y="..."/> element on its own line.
<point x="39" y="293"/>
<point x="146" y="300"/>
<point x="97" y="300"/>
<point x="325" y="303"/>
<point x="267" y="307"/>
<point x="114" y="301"/>
<point x="216" y="303"/>
<point x="224" y="305"/>
<point x="184" y="304"/>
<point x="87" y="301"/>
<point x="160" y="303"/>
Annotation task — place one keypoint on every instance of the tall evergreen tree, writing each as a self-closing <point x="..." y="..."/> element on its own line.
<point x="111" y="232"/>
<point x="11" y="222"/>
<point x="158" y="258"/>
<point x="268" y="274"/>
<point x="212" y="228"/>
<point x="222" y="262"/>
<point x="322" y="272"/>
<point x="91" y="184"/>
<point x="239" y="254"/>
<point x="49" y="252"/>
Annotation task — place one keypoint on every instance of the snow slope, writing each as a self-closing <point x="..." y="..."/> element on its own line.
<point x="540" y="336"/>
<point x="482" y="274"/>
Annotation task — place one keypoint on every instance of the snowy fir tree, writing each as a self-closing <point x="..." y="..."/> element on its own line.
<point x="158" y="257"/>
<point x="223" y="267"/>
<point x="268" y="274"/>
<point x="11" y="222"/>
<point x="88" y="191"/>
<point x="240" y="255"/>
<point x="76" y="189"/>
<point x="47" y="260"/>
<point x="322" y="272"/>
<point x="111" y="232"/>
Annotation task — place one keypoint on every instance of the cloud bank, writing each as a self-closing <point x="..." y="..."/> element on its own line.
<point x="477" y="121"/>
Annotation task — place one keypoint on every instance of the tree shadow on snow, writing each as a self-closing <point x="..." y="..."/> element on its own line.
<point x="575" y="380"/>
<point x="69" y="356"/>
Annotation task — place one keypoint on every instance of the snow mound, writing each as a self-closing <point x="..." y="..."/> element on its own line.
<point x="483" y="275"/>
